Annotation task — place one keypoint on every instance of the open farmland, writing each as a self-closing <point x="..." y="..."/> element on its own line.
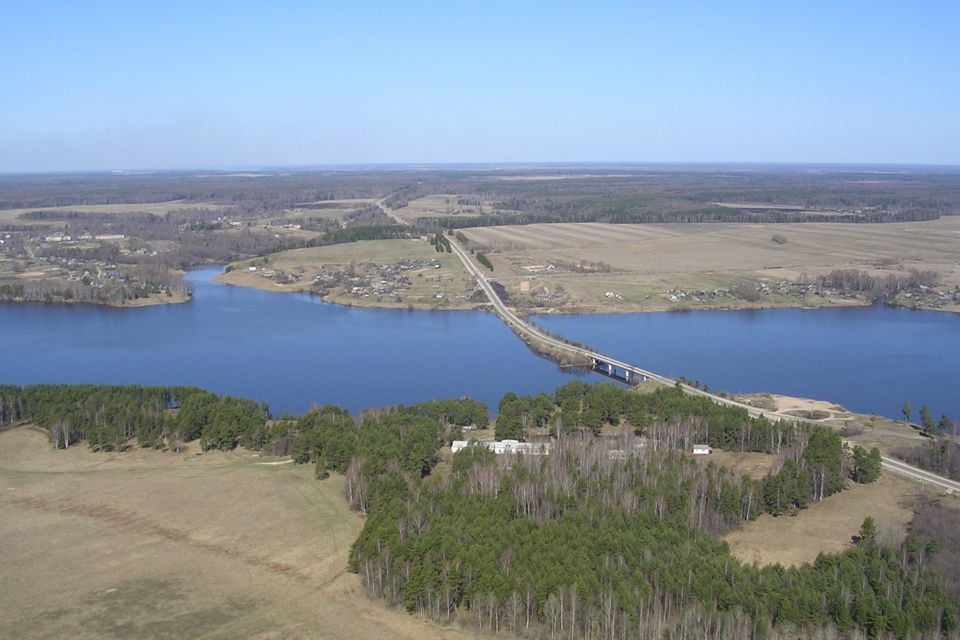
<point x="654" y="267"/>
<point x="390" y="273"/>
<point x="12" y="216"/>
<point x="161" y="545"/>
<point x="443" y="206"/>
<point x="337" y="210"/>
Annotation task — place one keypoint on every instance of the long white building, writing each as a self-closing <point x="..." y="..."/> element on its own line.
<point x="505" y="446"/>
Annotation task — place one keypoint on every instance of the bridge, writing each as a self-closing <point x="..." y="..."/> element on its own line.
<point x="611" y="367"/>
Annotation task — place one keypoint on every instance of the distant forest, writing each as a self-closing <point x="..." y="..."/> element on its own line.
<point x="605" y="537"/>
<point x="541" y="194"/>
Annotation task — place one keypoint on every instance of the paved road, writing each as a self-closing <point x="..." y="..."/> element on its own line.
<point x="525" y="328"/>
<point x="926" y="477"/>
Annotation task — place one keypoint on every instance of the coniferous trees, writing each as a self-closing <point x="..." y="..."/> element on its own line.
<point x="609" y="537"/>
<point x="584" y="543"/>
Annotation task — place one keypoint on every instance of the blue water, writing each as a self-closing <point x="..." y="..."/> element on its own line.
<point x="289" y="350"/>
<point x="868" y="359"/>
<point x="293" y="351"/>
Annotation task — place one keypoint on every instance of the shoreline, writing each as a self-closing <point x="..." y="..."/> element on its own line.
<point x="267" y="285"/>
<point x="138" y="303"/>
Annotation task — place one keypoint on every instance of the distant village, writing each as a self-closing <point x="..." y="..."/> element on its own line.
<point x="399" y="282"/>
<point x="83" y="267"/>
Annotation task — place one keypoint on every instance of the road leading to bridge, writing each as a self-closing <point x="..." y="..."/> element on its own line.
<point x="530" y="331"/>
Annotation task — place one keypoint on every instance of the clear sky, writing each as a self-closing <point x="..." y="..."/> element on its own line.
<point x="168" y="84"/>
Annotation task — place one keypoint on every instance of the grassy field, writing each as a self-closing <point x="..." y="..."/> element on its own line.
<point x="329" y="209"/>
<point x="641" y="263"/>
<point x="10" y="216"/>
<point x="450" y="280"/>
<point x="441" y="206"/>
<point x="745" y="463"/>
<point x="161" y="545"/>
<point x="828" y="526"/>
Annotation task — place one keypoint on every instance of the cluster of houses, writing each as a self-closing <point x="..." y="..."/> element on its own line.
<point x="930" y="296"/>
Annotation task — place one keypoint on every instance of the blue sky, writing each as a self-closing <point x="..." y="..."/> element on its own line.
<point x="97" y="85"/>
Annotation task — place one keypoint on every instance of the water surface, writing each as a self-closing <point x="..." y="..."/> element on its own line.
<point x="869" y="359"/>
<point x="293" y="351"/>
<point x="289" y="350"/>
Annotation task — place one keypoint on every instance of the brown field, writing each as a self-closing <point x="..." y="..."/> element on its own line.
<point x="450" y="280"/>
<point x="440" y="206"/>
<point x="160" y="545"/>
<point x="744" y="463"/>
<point x="644" y="262"/>
<point x="330" y="209"/>
<point x="828" y="526"/>
<point x="10" y="216"/>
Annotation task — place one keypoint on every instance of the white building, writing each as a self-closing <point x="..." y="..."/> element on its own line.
<point x="505" y="446"/>
<point x="702" y="449"/>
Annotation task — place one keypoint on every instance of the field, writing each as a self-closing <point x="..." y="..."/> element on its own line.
<point x="161" y="545"/>
<point x="441" y="206"/>
<point x="414" y="274"/>
<point x="10" y="216"/>
<point x="639" y="267"/>
<point x="328" y="209"/>
<point x="828" y="526"/>
<point x="744" y="463"/>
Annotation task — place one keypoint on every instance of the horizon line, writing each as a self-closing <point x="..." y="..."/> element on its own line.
<point x="480" y="165"/>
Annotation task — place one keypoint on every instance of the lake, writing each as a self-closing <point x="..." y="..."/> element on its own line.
<point x="868" y="359"/>
<point x="289" y="350"/>
<point x="293" y="351"/>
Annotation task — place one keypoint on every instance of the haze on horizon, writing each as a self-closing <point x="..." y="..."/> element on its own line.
<point x="101" y="86"/>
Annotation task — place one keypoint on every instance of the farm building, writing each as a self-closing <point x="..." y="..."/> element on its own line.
<point x="505" y="446"/>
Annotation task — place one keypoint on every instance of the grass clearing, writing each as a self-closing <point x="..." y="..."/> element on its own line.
<point x="744" y="463"/>
<point x="827" y="526"/>
<point x="160" y="545"/>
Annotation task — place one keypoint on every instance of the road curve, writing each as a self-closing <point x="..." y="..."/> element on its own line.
<point x="523" y="327"/>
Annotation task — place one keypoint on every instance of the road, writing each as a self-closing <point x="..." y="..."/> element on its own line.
<point x="904" y="469"/>
<point x="524" y="328"/>
<point x="388" y="211"/>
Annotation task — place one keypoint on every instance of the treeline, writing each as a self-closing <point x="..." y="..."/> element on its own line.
<point x="854" y="281"/>
<point x="355" y="234"/>
<point x="111" y="417"/>
<point x="484" y="260"/>
<point x="409" y="435"/>
<point x="680" y="216"/>
<point x="578" y="406"/>
<point x="811" y="461"/>
<point x="604" y="539"/>
<point x="440" y="242"/>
